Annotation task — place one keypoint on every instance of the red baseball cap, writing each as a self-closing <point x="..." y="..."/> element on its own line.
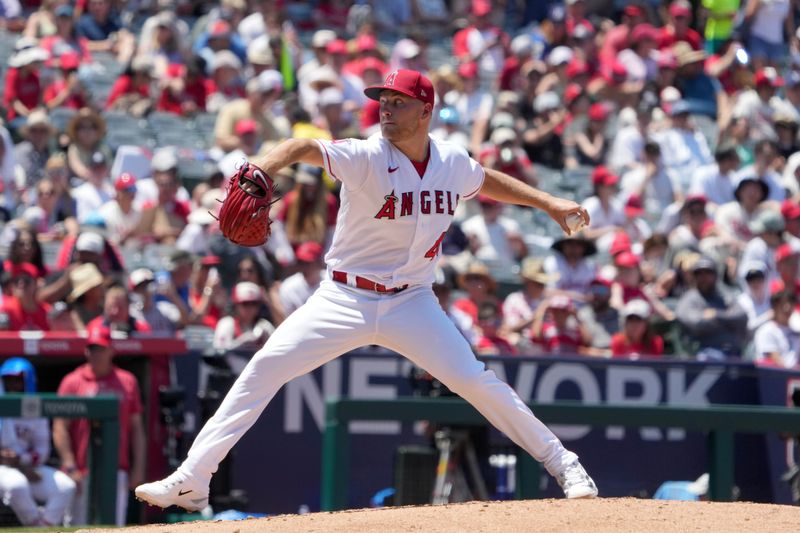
<point x="308" y="252"/>
<point x="572" y="92"/>
<point x="633" y="11"/>
<point x="602" y="176"/>
<point x="98" y="335"/>
<point x="790" y="209"/>
<point x="219" y="28"/>
<point x="768" y="76"/>
<point x="576" y="67"/>
<point x="408" y="82"/>
<point x="784" y="251"/>
<point x="372" y="63"/>
<point x="69" y="60"/>
<point x="634" y="207"/>
<point x="643" y="31"/>
<point x="468" y="70"/>
<point x="620" y="244"/>
<point x="598" y="111"/>
<point x="680" y="9"/>
<point x="481" y="7"/>
<point x="246" y="125"/>
<point x="366" y="43"/>
<point x="627" y="260"/>
<point x="337" y="46"/>
<point x="210" y="260"/>
<point x="125" y="182"/>
<point x="176" y="70"/>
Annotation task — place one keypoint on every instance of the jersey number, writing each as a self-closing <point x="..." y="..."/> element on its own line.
<point x="434" y="250"/>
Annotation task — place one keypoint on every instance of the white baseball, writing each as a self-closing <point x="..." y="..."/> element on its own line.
<point x="574" y="222"/>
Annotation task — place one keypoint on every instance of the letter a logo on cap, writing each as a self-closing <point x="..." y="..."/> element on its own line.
<point x="390" y="78"/>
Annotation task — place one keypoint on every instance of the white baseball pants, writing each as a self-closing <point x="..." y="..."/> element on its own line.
<point x="55" y="491"/>
<point x="338" y="318"/>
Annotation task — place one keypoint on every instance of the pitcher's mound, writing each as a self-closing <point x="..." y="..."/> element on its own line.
<point x="612" y="515"/>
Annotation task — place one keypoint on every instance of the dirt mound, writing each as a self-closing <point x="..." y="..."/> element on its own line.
<point x="613" y="515"/>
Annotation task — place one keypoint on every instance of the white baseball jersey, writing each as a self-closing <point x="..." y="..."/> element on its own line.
<point x="391" y="222"/>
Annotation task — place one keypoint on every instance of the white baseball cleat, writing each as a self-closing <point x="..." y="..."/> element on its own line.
<point x="575" y="482"/>
<point x="175" y="489"/>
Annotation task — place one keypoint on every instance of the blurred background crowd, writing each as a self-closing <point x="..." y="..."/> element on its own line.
<point x="674" y="123"/>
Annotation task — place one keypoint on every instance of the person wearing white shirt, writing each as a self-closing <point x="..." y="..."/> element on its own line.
<point x="119" y="215"/>
<point x="754" y="299"/>
<point x="297" y="288"/>
<point x="606" y="211"/>
<point x="626" y="147"/>
<point x="735" y="218"/>
<point x="651" y="181"/>
<point x="496" y="240"/>
<point x="570" y="268"/>
<point x="683" y="148"/>
<point x="96" y="191"/>
<point x="767" y="229"/>
<point x="775" y="342"/>
<point x="716" y="181"/>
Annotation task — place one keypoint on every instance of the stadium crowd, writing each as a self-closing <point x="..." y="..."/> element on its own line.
<point x="674" y="123"/>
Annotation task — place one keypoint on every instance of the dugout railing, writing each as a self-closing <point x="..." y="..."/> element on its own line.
<point x="720" y="422"/>
<point x="104" y="448"/>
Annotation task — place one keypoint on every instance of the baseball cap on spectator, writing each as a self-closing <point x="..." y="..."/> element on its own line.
<point x="620" y="244"/>
<point x="503" y="135"/>
<point x="321" y="38"/>
<point x="616" y="74"/>
<point x="636" y="307"/>
<point x="560" y="302"/>
<point x="408" y="82"/>
<point x="179" y="258"/>
<point x="308" y="252"/>
<point x="481" y="8"/>
<point x="602" y="176"/>
<point x="643" y="32"/>
<point x="577" y="67"/>
<point x="330" y="96"/>
<point x="90" y="241"/>
<point x="373" y="63"/>
<point x="560" y="55"/>
<point x="557" y="14"/>
<point x="754" y="269"/>
<point x="768" y="221"/>
<point x="533" y="269"/>
<point x="83" y="278"/>
<point x="407" y="49"/>
<point x="626" y="260"/>
<point x="64" y="10"/>
<point x="307" y="174"/>
<point x="546" y="101"/>
<point x="667" y="60"/>
<point x="209" y="204"/>
<point x="502" y="120"/>
<point x="468" y="70"/>
<point x="246" y="291"/>
<point x="768" y="76"/>
<point x="522" y="45"/>
<point x="582" y="31"/>
<point x="142" y="65"/>
<point x="125" y="182"/>
<point x="69" y="60"/>
<point x="704" y="263"/>
<point x="223" y="59"/>
<point x="680" y="9"/>
<point x="210" y="260"/>
<point x="245" y="126"/>
<point x="598" y="112"/>
<point x="270" y="80"/>
<point x="164" y="160"/>
<point x="259" y="53"/>
<point x="37" y="117"/>
<point x="634" y="207"/>
<point x="219" y="29"/>
<point x="633" y="11"/>
<point x="98" y="335"/>
<point x="27" y="56"/>
<point x="680" y="107"/>
<point x="366" y="43"/>
<point x="784" y="251"/>
<point x="139" y="276"/>
<point x="790" y="209"/>
<point x="337" y="46"/>
<point x="572" y="92"/>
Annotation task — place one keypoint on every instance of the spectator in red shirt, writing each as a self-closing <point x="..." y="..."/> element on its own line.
<point x="185" y="90"/>
<point x="207" y="297"/>
<point x="66" y="40"/>
<point x="557" y="327"/>
<point x="492" y="340"/>
<point x="636" y="338"/>
<point x="677" y="27"/>
<point x="67" y="90"/>
<point x="131" y="91"/>
<point x="23" y="91"/>
<point x="116" y="315"/>
<point x="616" y="39"/>
<point x="164" y="219"/>
<point x="25" y="248"/>
<point x="22" y="311"/>
<point x="98" y="376"/>
<point x="506" y="155"/>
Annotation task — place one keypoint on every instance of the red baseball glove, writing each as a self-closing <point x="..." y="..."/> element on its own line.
<point x="244" y="215"/>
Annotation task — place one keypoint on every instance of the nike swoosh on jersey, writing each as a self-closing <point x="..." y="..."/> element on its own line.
<point x="393" y="169"/>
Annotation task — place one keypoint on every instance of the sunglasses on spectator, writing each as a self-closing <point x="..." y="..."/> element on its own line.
<point x="48" y="192"/>
<point x="249" y="304"/>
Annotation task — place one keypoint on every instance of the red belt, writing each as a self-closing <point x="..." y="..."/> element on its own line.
<point x="364" y="283"/>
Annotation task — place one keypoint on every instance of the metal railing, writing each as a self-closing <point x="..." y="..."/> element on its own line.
<point x="719" y="421"/>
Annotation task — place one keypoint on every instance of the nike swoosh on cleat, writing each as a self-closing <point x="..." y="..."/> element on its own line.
<point x="181" y="493"/>
<point x="392" y="169"/>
